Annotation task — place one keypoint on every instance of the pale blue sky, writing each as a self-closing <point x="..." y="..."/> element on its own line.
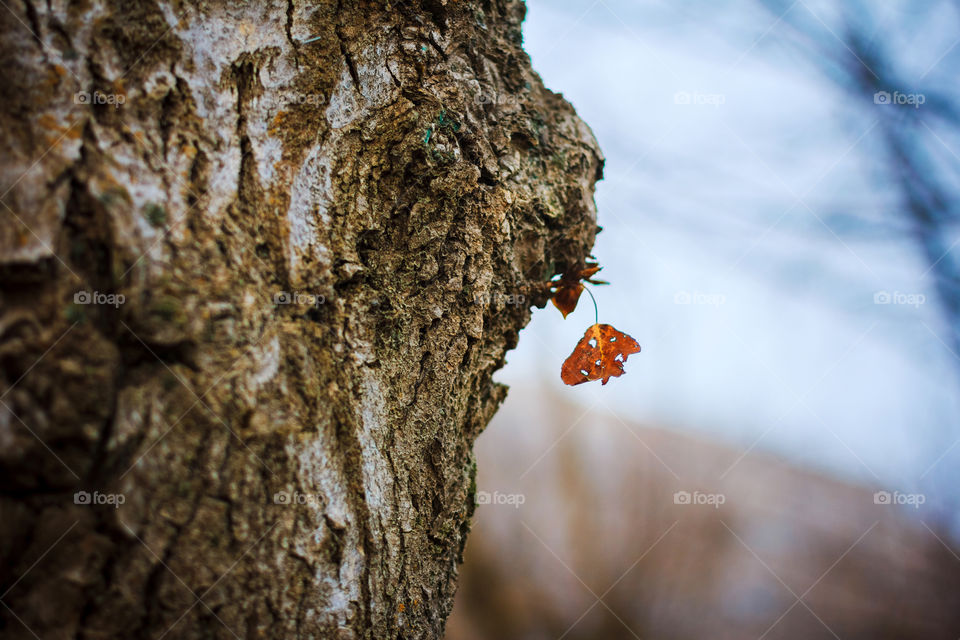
<point x="740" y="198"/>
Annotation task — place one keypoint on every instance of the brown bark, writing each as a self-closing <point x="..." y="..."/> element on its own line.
<point x="398" y="170"/>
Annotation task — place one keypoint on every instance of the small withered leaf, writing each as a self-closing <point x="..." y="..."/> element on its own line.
<point x="568" y="288"/>
<point x="599" y="355"/>
<point x="566" y="297"/>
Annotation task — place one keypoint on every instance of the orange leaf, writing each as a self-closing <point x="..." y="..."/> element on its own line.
<point x="569" y="287"/>
<point x="600" y="354"/>
<point x="566" y="297"/>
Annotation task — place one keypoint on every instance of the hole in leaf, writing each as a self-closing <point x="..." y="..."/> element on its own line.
<point x="584" y="372"/>
<point x="593" y="342"/>
<point x="613" y="339"/>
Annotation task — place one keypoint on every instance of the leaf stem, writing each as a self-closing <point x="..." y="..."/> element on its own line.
<point x="596" y="315"/>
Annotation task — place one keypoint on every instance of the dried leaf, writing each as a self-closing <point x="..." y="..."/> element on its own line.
<point x="599" y="355"/>
<point x="566" y="297"/>
<point x="569" y="287"/>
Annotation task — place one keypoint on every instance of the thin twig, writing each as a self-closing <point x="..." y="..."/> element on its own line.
<point x="596" y="315"/>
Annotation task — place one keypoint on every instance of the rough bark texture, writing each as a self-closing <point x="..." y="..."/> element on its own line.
<point x="288" y="467"/>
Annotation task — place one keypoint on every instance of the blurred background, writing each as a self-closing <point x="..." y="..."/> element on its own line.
<point x="780" y="214"/>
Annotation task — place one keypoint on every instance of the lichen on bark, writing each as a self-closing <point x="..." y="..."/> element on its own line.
<point x="322" y="226"/>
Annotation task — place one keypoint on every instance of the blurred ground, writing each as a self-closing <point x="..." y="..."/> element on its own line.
<point x="583" y="506"/>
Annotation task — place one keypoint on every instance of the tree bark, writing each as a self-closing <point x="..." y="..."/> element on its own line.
<point x="258" y="264"/>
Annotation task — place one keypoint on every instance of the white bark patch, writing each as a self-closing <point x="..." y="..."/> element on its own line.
<point x="376" y="87"/>
<point x="345" y="104"/>
<point x="213" y="41"/>
<point x="325" y="482"/>
<point x="267" y="150"/>
<point x="378" y="481"/>
<point x="276" y="79"/>
<point x="268" y="363"/>
<point x="311" y="195"/>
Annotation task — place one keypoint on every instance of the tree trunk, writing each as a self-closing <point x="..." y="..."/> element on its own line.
<point x="258" y="264"/>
